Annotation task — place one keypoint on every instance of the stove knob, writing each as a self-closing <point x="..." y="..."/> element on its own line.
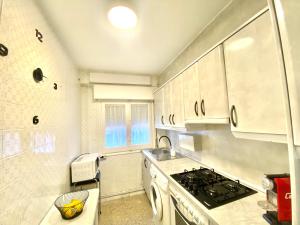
<point x="176" y="196"/>
<point x="184" y="204"/>
<point x="197" y="220"/>
<point x="191" y="211"/>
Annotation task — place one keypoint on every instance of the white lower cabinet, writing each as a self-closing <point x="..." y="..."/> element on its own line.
<point x="253" y="76"/>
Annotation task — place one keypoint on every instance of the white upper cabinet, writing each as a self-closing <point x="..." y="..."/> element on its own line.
<point x="167" y="104"/>
<point x="213" y="91"/>
<point x="253" y="76"/>
<point x="177" y="117"/>
<point x="191" y="94"/>
<point x="159" y="108"/>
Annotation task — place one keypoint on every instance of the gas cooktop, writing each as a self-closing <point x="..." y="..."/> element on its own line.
<point x="211" y="188"/>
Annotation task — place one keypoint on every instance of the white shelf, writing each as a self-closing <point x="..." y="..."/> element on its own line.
<point x="87" y="217"/>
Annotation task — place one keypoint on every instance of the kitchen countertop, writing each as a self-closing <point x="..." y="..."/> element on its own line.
<point x="87" y="217"/>
<point x="241" y="212"/>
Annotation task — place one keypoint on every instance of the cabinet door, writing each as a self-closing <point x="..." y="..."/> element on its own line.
<point x="159" y="107"/>
<point x="191" y="93"/>
<point x="167" y="104"/>
<point x="288" y="21"/>
<point x="177" y="102"/>
<point x="253" y="79"/>
<point x="213" y="91"/>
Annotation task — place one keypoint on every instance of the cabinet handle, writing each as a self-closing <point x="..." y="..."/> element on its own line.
<point x="145" y="160"/>
<point x="233" y="116"/>
<point x="162" y="120"/>
<point x="202" y="107"/>
<point x="173" y="119"/>
<point x="196" y="108"/>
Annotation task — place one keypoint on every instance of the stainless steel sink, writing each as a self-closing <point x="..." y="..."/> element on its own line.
<point x="162" y="154"/>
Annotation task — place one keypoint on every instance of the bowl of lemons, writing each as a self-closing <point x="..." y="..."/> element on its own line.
<point x="70" y="205"/>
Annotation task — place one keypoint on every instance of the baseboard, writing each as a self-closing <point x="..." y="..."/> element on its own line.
<point x="122" y="195"/>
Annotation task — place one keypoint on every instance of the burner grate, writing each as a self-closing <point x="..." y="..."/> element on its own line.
<point x="211" y="188"/>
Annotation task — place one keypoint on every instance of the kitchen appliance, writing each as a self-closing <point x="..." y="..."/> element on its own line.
<point x="85" y="167"/>
<point x="159" y="197"/>
<point x="85" y="174"/>
<point x="278" y="193"/>
<point x="146" y="175"/>
<point x="211" y="188"/>
<point x="184" y="212"/>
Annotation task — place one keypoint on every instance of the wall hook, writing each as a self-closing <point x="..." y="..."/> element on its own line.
<point x="38" y="75"/>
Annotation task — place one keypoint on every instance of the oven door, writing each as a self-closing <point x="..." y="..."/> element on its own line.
<point x="177" y="217"/>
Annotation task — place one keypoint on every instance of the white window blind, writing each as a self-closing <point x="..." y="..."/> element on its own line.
<point x="127" y="126"/>
<point x="140" y="124"/>
<point x="115" y="126"/>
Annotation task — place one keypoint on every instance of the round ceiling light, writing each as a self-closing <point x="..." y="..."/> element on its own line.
<point x="122" y="17"/>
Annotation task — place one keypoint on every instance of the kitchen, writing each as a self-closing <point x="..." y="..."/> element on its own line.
<point x="176" y="100"/>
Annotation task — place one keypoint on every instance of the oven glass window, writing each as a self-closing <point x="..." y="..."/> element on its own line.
<point x="179" y="220"/>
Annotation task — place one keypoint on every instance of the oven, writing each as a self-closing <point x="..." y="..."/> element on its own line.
<point x="177" y="217"/>
<point x="184" y="212"/>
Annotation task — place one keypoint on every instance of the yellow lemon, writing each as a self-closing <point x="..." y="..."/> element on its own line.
<point x="78" y="205"/>
<point x="69" y="212"/>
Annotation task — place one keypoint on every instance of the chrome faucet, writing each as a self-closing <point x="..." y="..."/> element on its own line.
<point x="166" y="138"/>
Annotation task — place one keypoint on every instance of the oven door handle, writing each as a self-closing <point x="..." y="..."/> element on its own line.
<point x="180" y="213"/>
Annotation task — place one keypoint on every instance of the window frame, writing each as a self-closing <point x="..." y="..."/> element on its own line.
<point x="129" y="147"/>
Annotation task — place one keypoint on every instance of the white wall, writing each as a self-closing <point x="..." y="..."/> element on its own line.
<point x="31" y="179"/>
<point x="249" y="160"/>
<point x="121" y="173"/>
<point x="237" y="13"/>
<point x="215" y="145"/>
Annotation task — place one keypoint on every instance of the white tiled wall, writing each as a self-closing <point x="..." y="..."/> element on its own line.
<point x="34" y="159"/>
<point x="121" y="173"/>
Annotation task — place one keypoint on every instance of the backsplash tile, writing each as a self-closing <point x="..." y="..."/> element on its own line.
<point x="34" y="159"/>
<point x="248" y="160"/>
<point x="12" y="143"/>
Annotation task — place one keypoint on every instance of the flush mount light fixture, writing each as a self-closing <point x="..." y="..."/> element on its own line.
<point x="122" y="17"/>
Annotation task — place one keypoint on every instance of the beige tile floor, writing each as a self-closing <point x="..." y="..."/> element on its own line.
<point x="133" y="210"/>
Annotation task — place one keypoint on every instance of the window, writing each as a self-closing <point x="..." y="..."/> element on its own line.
<point x="140" y="126"/>
<point x="115" y="126"/>
<point x="127" y="126"/>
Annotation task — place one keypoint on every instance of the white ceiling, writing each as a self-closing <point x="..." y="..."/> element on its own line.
<point x="165" y="28"/>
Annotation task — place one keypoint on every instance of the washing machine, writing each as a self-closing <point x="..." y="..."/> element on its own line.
<point x="159" y="197"/>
